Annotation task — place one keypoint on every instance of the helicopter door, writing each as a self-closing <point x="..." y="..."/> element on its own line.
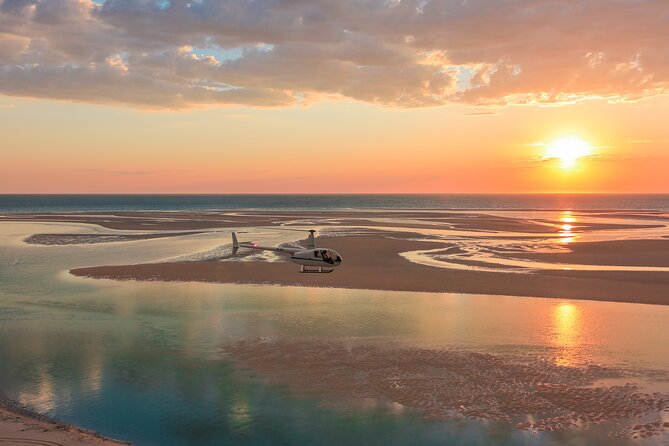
<point x="326" y="256"/>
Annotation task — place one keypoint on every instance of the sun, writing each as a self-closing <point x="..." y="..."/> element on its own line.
<point x="568" y="150"/>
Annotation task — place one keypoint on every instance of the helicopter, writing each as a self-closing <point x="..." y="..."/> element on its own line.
<point x="310" y="259"/>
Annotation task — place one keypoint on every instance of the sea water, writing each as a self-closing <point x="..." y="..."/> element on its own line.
<point x="145" y="362"/>
<point x="87" y="203"/>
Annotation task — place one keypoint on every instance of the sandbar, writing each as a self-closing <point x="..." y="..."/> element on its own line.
<point x="373" y="262"/>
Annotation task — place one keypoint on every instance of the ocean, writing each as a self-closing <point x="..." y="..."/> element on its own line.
<point x="94" y="203"/>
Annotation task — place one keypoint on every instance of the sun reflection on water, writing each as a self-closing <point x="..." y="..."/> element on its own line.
<point x="567" y="332"/>
<point x="567" y="234"/>
<point x="239" y="414"/>
<point x="42" y="395"/>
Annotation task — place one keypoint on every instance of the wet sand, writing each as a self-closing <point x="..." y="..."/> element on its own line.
<point x="88" y="239"/>
<point x="375" y="243"/>
<point x="18" y="428"/>
<point x="180" y="221"/>
<point x="373" y="262"/>
<point x="616" y="252"/>
<point x="529" y="393"/>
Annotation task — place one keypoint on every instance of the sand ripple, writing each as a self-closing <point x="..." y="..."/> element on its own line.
<point x="530" y="394"/>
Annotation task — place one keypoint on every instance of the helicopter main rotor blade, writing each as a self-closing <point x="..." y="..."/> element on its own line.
<point x="295" y="230"/>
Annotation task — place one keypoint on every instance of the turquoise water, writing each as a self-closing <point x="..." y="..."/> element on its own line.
<point x="78" y="203"/>
<point x="144" y="362"/>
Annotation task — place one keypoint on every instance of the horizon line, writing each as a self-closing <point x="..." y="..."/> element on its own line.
<point x="318" y="193"/>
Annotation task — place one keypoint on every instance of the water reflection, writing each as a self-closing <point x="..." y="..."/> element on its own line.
<point x="42" y="395"/>
<point x="567" y="234"/>
<point x="567" y="217"/>
<point x="239" y="414"/>
<point x="568" y="333"/>
<point x="159" y="377"/>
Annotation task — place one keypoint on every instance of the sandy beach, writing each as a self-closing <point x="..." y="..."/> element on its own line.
<point x="19" y="428"/>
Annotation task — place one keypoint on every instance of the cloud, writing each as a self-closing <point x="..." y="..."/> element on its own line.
<point x="545" y="160"/>
<point x="483" y="113"/>
<point x="412" y="53"/>
<point x="647" y="141"/>
<point x="115" y="172"/>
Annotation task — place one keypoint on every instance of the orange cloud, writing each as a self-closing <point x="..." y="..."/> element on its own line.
<point x="413" y="53"/>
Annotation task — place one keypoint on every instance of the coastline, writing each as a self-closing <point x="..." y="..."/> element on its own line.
<point x="20" y="424"/>
<point x="567" y="255"/>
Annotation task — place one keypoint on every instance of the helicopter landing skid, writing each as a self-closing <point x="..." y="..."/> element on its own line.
<point x="318" y="270"/>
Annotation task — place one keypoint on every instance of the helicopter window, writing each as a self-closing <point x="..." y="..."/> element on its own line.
<point x="317" y="254"/>
<point x="326" y="256"/>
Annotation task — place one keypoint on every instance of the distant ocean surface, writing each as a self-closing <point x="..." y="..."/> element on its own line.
<point x="88" y="203"/>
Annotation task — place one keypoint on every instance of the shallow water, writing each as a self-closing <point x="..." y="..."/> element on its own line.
<point x="481" y="252"/>
<point x="144" y="362"/>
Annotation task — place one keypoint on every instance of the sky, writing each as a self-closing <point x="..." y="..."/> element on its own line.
<point x="334" y="96"/>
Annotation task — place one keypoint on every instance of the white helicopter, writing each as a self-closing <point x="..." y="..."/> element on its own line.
<point x="310" y="259"/>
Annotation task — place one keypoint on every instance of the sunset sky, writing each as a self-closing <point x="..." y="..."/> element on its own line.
<point x="327" y="96"/>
